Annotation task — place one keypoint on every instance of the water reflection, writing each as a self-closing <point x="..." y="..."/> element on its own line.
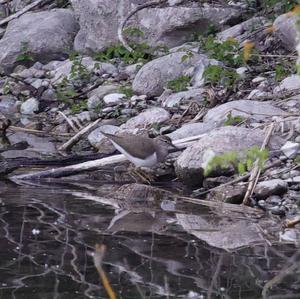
<point x="47" y="236"/>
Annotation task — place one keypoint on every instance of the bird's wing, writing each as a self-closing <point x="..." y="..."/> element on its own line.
<point x="139" y="147"/>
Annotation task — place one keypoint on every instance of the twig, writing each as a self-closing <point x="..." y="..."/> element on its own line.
<point x="22" y="11"/>
<point x="77" y="137"/>
<point x="289" y="223"/>
<point x="215" y="276"/>
<point x="32" y="131"/>
<point x="255" y="172"/>
<point x="98" y="257"/>
<point x="122" y="25"/>
<point x="69" y="121"/>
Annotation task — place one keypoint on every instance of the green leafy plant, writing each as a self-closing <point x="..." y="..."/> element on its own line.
<point x="285" y="6"/>
<point x="228" y="52"/>
<point x="240" y="161"/>
<point x="78" y="107"/>
<point x="79" y="73"/>
<point x="133" y="32"/>
<point x="220" y="75"/>
<point x="297" y="159"/>
<point x="65" y="90"/>
<point x="141" y="53"/>
<point x="281" y="72"/>
<point x="126" y="90"/>
<point x="179" y="84"/>
<point x="25" y="55"/>
<point x="188" y="55"/>
<point x="233" y="120"/>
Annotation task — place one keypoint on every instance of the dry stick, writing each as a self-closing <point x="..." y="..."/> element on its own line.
<point x="255" y="172"/>
<point x="38" y="132"/>
<point x="77" y="137"/>
<point x="98" y="257"/>
<point x="22" y="11"/>
<point x="122" y="25"/>
<point x="69" y="121"/>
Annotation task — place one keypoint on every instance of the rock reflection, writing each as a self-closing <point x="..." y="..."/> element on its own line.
<point x="151" y="252"/>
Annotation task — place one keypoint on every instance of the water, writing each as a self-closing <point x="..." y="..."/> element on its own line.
<point x="48" y="234"/>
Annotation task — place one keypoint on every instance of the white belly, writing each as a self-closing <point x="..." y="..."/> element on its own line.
<point x="149" y="162"/>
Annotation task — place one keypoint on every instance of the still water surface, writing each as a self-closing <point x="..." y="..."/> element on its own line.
<point x="48" y="234"/>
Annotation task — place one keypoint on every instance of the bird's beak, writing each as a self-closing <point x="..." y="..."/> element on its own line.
<point x="174" y="146"/>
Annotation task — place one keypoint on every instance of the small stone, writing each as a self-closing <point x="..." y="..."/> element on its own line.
<point x="273" y="200"/>
<point x="94" y="102"/>
<point x="271" y="187"/>
<point x="37" y="83"/>
<point x="291" y="149"/>
<point x="107" y="110"/>
<point x="39" y="74"/>
<point x="128" y="112"/>
<point x="241" y="71"/>
<point x="30" y="106"/>
<point x="258" y="79"/>
<point x="113" y="98"/>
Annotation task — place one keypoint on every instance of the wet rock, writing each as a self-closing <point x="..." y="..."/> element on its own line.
<point x="291" y="149"/>
<point x="153" y="76"/>
<point x="244" y="108"/>
<point x="226" y="234"/>
<point x="175" y="99"/>
<point x="47" y="35"/>
<point x="286" y="29"/>
<point x="271" y="187"/>
<point x="113" y="99"/>
<point x="290" y="83"/>
<point x="148" y="117"/>
<point x="290" y="235"/>
<point x="30" y="106"/>
<point x="193" y="129"/>
<point x="229" y="194"/>
<point x="239" y="31"/>
<point x="191" y="163"/>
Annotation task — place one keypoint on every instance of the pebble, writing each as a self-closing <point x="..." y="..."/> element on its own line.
<point x="30" y="106"/>
<point x="113" y="99"/>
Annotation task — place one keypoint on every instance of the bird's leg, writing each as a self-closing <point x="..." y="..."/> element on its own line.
<point x="141" y="175"/>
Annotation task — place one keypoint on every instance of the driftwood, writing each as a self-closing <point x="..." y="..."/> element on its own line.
<point x="91" y="165"/>
<point x="11" y="164"/>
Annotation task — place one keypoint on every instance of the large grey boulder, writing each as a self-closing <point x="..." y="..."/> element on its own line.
<point x="154" y="76"/>
<point x="191" y="164"/>
<point x="243" y="108"/>
<point x="168" y="26"/>
<point x="286" y="29"/>
<point x="45" y="36"/>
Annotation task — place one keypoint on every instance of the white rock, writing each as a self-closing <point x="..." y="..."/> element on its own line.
<point x="113" y="99"/>
<point x="291" y="149"/>
<point x="30" y="106"/>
